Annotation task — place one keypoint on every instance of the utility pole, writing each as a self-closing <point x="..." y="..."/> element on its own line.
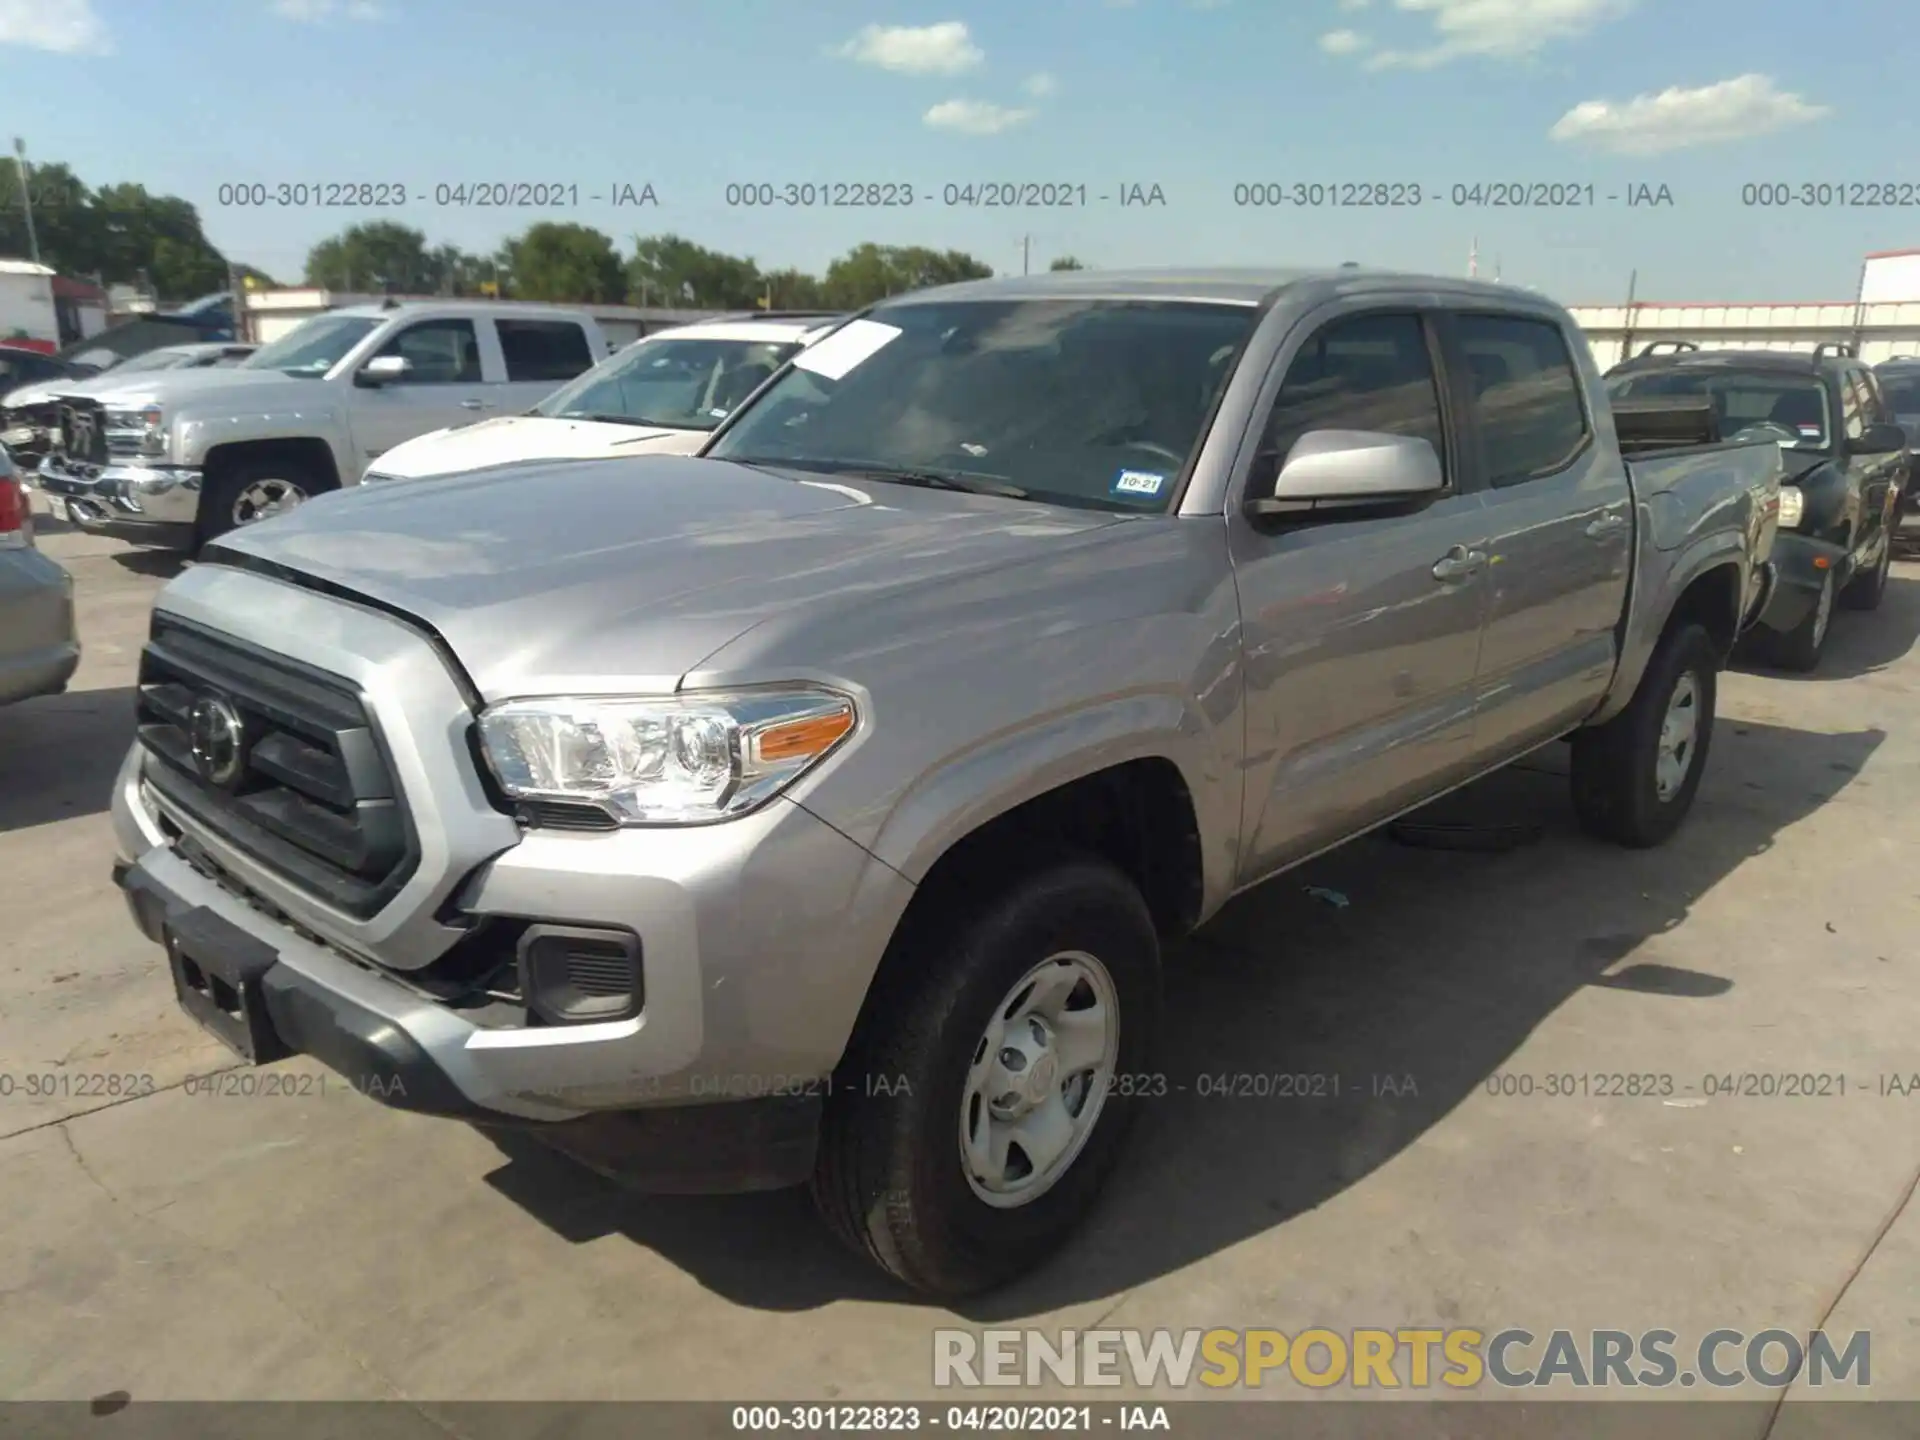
<point x="1473" y="258"/>
<point x="1626" y="336"/>
<point x="26" y="197"/>
<point x="1026" y="254"/>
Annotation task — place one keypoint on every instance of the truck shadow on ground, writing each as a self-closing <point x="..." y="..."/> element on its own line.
<point x="1426" y="965"/>
<point x="1862" y="642"/>
<point x="59" y="754"/>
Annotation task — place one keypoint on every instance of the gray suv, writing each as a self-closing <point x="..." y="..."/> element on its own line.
<point x="817" y="809"/>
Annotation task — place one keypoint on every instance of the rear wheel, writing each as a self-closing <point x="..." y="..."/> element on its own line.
<point x="249" y="491"/>
<point x="983" y="1104"/>
<point x="1801" y="647"/>
<point x="1634" y="778"/>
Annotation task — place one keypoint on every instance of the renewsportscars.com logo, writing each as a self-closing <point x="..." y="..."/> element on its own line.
<point x="1415" y="1359"/>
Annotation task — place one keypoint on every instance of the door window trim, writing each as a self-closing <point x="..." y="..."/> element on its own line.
<point x="388" y="347"/>
<point x="1457" y="313"/>
<point x="1460" y="478"/>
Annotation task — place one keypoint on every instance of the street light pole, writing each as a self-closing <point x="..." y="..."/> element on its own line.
<point x="26" y="197"/>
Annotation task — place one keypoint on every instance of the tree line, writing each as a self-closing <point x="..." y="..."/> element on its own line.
<point x="122" y="234"/>
<point x="572" y="263"/>
<point x="127" y="234"/>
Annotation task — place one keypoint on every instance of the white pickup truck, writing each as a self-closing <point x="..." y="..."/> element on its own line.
<point x="176" y="458"/>
<point x="662" y="395"/>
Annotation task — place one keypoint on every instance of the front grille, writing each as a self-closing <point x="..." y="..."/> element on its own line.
<point x="83" y="431"/>
<point x="306" y="792"/>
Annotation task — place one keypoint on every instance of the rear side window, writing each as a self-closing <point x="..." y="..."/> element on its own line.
<point x="1371" y="372"/>
<point x="1526" y="396"/>
<point x="553" y="350"/>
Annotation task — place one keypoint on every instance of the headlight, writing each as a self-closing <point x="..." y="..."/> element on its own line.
<point x="143" y="432"/>
<point x="675" y="760"/>
<point x="1792" y="506"/>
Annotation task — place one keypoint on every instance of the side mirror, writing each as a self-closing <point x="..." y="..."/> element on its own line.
<point x="1880" y="439"/>
<point x="1348" y="469"/>
<point x="383" y="370"/>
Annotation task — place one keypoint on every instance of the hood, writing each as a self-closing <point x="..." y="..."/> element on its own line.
<point x="508" y="439"/>
<point x="42" y="391"/>
<point x="175" y="387"/>
<point x="625" y="574"/>
<point x="1798" y="464"/>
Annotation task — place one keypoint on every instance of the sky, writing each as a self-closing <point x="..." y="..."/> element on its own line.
<point x="1217" y="103"/>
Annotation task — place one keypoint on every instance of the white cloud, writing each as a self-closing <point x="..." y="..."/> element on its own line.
<point x="1499" y="29"/>
<point x="1041" y="84"/>
<point x="942" y="49"/>
<point x="317" y="12"/>
<point x="1343" y="42"/>
<point x="975" y="117"/>
<point x="1678" y="118"/>
<point x="68" y="27"/>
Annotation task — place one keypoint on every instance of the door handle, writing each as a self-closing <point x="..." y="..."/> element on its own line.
<point x="473" y="404"/>
<point x="1606" y="525"/>
<point x="1459" y="564"/>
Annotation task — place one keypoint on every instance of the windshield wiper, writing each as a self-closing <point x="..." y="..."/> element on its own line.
<point x="926" y="479"/>
<point x="610" y="419"/>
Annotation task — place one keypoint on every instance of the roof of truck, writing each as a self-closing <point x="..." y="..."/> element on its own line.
<point x="529" y="309"/>
<point x="1785" y="361"/>
<point x="1220" y="285"/>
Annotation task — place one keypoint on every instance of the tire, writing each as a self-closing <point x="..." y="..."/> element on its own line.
<point x="1866" y="590"/>
<point x="1616" y="771"/>
<point x="1800" y="648"/>
<point x="236" y="489"/>
<point x="890" y="1178"/>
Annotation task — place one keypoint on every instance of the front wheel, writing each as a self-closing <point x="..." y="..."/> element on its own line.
<point x="1800" y="648"/>
<point x="1866" y="591"/>
<point x="253" y="490"/>
<point x="984" y="1102"/>
<point x="1634" y="778"/>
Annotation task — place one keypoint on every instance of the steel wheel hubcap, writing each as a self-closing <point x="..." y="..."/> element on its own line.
<point x="1678" y="733"/>
<point x="264" y="499"/>
<point x="1039" y="1078"/>
<point x="1823" y="610"/>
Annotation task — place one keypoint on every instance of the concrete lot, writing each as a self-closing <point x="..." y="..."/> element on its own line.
<point x="180" y="1245"/>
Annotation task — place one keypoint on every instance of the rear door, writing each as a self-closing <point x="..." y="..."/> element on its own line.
<point x="537" y="357"/>
<point x="1559" y="529"/>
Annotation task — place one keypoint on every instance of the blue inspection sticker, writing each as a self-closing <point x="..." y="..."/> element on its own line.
<point x="1139" y="484"/>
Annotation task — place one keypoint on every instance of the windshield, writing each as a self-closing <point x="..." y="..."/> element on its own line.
<point x="677" y="384"/>
<point x="1902" y="394"/>
<point x="1742" y="401"/>
<point x="313" y="348"/>
<point x="1093" y="403"/>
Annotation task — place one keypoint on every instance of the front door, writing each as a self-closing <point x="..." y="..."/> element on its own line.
<point x="445" y="384"/>
<point x="1360" y="635"/>
<point x="1559" y="532"/>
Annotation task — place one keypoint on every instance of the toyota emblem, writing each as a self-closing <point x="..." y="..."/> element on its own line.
<point x="218" y="737"/>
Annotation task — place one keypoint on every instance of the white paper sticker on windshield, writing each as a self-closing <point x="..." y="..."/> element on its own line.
<point x="847" y="347"/>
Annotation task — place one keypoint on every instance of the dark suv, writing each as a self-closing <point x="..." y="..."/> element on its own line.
<point x="1899" y="381"/>
<point x="1846" y="461"/>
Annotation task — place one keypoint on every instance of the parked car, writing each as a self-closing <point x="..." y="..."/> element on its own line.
<point x="1899" y="382"/>
<point x="175" y="459"/>
<point x="1845" y="460"/>
<point x="29" y="415"/>
<point x="39" y="646"/>
<point x="818" y="807"/>
<point x="662" y="395"/>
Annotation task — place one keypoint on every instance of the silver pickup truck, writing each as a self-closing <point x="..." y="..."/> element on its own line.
<point x="818" y="808"/>
<point x="174" y="458"/>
